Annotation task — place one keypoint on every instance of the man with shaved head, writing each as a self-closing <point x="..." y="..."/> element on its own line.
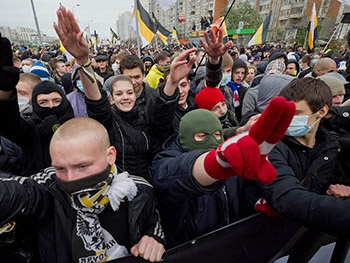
<point x="84" y="210"/>
<point x="323" y="66"/>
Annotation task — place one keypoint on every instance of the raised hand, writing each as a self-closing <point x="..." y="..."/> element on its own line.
<point x="70" y="35"/>
<point x="213" y="46"/>
<point x="180" y="67"/>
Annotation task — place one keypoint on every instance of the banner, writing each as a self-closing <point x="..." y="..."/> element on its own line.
<point x="253" y="239"/>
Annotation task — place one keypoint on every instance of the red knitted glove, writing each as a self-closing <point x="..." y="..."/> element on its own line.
<point x="268" y="130"/>
<point x="244" y="155"/>
<point x="262" y="206"/>
<point x="239" y="155"/>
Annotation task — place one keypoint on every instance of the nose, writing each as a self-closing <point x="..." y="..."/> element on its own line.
<point x="222" y="110"/>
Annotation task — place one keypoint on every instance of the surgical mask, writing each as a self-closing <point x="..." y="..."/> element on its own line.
<point x="115" y="68"/>
<point x="298" y="127"/>
<point x="80" y="85"/>
<point x="24" y="105"/>
<point x="226" y="78"/>
<point x="313" y="62"/>
<point x="26" y="69"/>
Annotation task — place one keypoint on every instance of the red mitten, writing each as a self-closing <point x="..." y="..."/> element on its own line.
<point x="268" y="130"/>
<point x="239" y="155"/>
<point x="262" y="206"/>
<point x="244" y="155"/>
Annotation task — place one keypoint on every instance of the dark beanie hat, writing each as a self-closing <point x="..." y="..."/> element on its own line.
<point x="208" y="97"/>
<point x="47" y="87"/>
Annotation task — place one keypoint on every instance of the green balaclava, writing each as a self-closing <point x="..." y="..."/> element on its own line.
<point x="195" y="121"/>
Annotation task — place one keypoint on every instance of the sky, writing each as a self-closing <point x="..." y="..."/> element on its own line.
<point x="100" y="15"/>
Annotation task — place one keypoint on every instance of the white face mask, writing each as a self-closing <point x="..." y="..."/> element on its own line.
<point x="298" y="126"/>
<point x="26" y="69"/>
<point x="24" y="105"/>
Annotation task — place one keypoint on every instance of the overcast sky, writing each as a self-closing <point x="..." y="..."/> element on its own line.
<point x="100" y="15"/>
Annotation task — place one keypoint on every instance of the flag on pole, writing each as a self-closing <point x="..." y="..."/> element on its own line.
<point x="174" y="37"/>
<point x="162" y="32"/>
<point x="260" y="35"/>
<point x="114" y="34"/>
<point x="216" y="26"/>
<point x="147" y="28"/>
<point x="312" y="29"/>
<point x="166" y="4"/>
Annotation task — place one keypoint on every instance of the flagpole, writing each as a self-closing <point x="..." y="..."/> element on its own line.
<point x="137" y="28"/>
<point x="329" y="41"/>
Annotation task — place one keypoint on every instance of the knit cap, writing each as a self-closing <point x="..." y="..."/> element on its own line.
<point x="243" y="57"/>
<point x="40" y="70"/>
<point x="208" y="97"/>
<point x="336" y="86"/>
<point x="275" y="67"/>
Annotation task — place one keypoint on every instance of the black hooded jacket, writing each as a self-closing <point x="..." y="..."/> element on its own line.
<point x="33" y="135"/>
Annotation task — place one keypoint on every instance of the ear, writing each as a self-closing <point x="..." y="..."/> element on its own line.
<point x="111" y="155"/>
<point x="323" y="111"/>
<point x="111" y="101"/>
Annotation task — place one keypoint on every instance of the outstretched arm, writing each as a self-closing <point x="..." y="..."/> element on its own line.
<point x="72" y="39"/>
<point x="244" y="155"/>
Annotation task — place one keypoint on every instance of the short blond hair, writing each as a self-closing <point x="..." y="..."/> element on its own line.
<point x="82" y="127"/>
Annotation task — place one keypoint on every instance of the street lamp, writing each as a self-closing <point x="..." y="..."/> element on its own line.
<point x="36" y="23"/>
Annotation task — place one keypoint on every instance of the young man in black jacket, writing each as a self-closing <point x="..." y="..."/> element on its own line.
<point x="304" y="190"/>
<point x="82" y="209"/>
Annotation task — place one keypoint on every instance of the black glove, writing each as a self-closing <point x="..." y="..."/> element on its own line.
<point x="9" y="75"/>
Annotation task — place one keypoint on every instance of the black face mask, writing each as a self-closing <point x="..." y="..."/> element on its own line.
<point x="64" y="110"/>
<point x="89" y="182"/>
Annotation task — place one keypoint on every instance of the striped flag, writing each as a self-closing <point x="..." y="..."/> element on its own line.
<point x="146" y="27"/>
<point x="114" y="34"/>
<point x="312" y="29"/>
<point x="166" y="4"/>
<point x="162" y="32"/>
<point x="174" y="37"/>
<point x="260" y="35"/>
<point x="216" y="26"/>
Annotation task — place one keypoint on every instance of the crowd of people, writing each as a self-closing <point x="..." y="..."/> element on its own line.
<point x="105" y="153"/>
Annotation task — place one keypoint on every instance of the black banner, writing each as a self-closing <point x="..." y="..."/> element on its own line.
<point x="254" y="239"/>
